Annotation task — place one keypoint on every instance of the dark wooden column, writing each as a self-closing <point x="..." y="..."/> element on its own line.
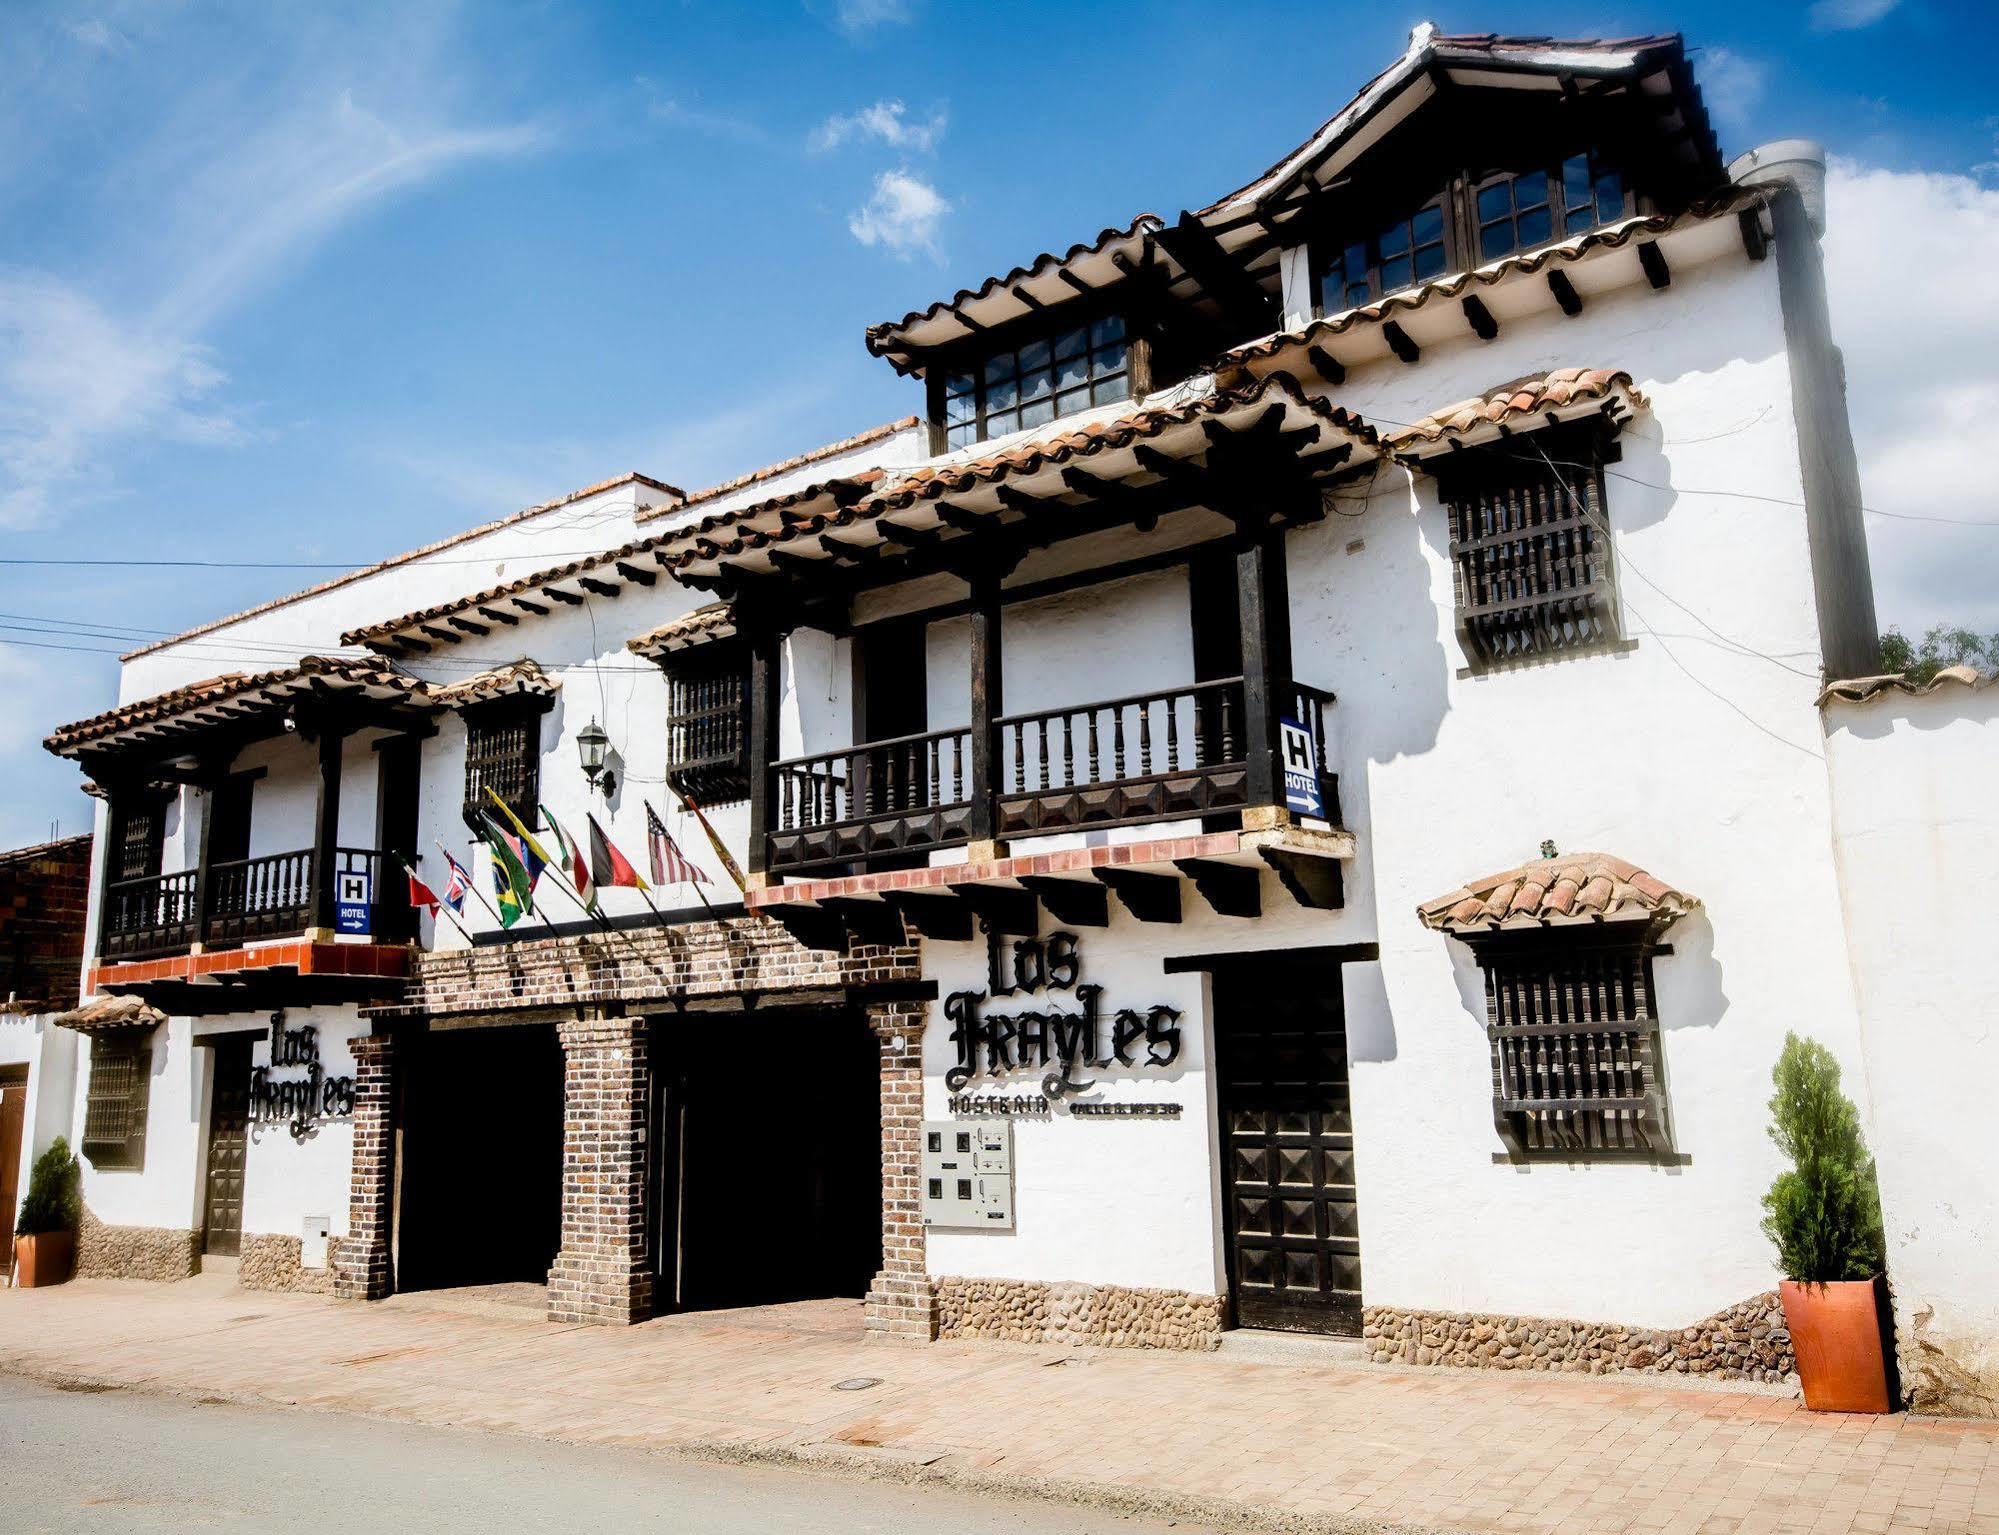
<point x="326" y="822"/>
<point x="117" y="795"/>
<point x="766" y="656"/>
<point x="1263" y="593"/>
<point x="988" y="704"/>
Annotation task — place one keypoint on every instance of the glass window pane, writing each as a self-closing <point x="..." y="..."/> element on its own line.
<point x="1001" y="396"/>
<point x="1429" y="226"/>
<point x="1356" y="263"/>
<point x="1034" y="386"/>
<point x="958" y="436"/>
<point x="1576" y="220"/>
<point x="1033" y="355"/>
<point x="1429" y="261"/>
<point x="1575" y="180"/>
<point x="1495" y="201"/>
<point x="998" y="366"/>
<point x="958" y="383"/>
<point x="1495" y="240"/>
<point x="1109" y="360"/>
<point x="1000" y="422"/>
<point x="1072" y="371"/>
<point x="1071" y="400"/>
<point x="1395" y="274"/>
<point x="1358" y="293"/>
<point x="1530" y="189"/>
<point x="1609" y="196"/>
<point x="1535" y="226"/>
<point x="1039" y="413"/>
<point x="1107" y="390"/>
<point x="959" y="407"/>
<point x="1109" y="328"/>
<point x="1071" y="343"/>
<point x="1394" y="239"/>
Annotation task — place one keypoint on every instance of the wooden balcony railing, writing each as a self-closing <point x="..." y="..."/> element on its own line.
<point x="1174" y="754"/>
<point x="245" y="899"/>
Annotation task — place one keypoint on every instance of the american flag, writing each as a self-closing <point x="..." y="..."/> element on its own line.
<point x="670" y="866"/>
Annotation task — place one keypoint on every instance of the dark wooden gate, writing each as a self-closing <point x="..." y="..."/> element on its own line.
<point x="228" y="1141"/>
<point x="1287" y="1146"/>
<point x="13" y="1120"/>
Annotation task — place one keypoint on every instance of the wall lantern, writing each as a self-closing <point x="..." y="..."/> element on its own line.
<point x="592" y="745"/>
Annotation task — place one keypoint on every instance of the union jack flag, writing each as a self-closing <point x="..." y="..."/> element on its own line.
<point x="459" y="886"/>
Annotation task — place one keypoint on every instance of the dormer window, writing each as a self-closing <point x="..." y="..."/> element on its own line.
<point x="1519" y="211"/>
<point x="1407" y="251"/>
<point x="1031" y="385"/>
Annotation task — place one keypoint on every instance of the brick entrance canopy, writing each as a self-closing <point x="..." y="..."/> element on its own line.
<point x="601" y="1273"/>
<point x="600" y="993"/>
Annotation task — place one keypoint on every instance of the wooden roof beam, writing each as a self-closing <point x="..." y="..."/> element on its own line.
<point x="1565" y="292"/>
<point x="601" y="588"/>
<point x="527" y="606"/>
<point x="567" y="599"/>
<point x="499" y="616"/>
<point x="461" y="622"/>
<point x="1197" y="250"/>
<point x="637" y="575"/>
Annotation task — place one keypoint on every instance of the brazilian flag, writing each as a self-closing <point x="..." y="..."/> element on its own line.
<point x="513" y="886"/>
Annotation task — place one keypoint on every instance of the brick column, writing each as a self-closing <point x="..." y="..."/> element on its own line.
<point x="361" y="1266"/>
<point x="900" y="1302"/>
<point x="603" y="1272"/>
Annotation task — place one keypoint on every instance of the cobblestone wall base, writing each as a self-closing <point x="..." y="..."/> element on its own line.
<point x="271" y="1262"/>
<point x="1107" y="1316"/>
<point x="1748" y="1341"/>
<point x="159" y="1253"/>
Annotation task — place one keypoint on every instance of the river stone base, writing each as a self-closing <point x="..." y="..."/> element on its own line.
<point x="135" y="1252"/>
<point x="1106" y="1316"/>
<point x="1746" y="1342"/>
<point x="271" y="1262"/>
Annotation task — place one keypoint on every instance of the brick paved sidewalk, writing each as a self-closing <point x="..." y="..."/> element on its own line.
<point x="1304" y="1446"/>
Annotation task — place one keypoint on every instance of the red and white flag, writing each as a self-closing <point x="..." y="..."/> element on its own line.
<point x="670" y="866"/>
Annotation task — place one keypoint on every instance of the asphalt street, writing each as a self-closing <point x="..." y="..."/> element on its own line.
<point x="91" y="1460"/>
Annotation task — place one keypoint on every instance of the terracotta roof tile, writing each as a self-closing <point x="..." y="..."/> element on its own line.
<point x="101" y="1014"/>
<point x="705" y="625"/>
<point x="786" y="466"/>
<point x="1860" y="690"/>
<point x="523" y="677"/>
<point x="1552" y="892"/>
<point x="1485" y="415"/>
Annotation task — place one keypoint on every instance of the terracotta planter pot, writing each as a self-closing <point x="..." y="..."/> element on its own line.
<point x="43" y="1259"/>
<point x="1839" y="1332"/>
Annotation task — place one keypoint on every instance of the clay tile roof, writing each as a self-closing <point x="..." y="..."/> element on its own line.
<point x="363" y="672"/>
<point x="1553" y="892"/>
<point x="522" y="677"/>
<point x="786" y="466"/>
<point x="705" y="625"/>
<point x="893" y="339"/>
<point x="101" y="1014"/>
<point x="1562" y="392"/>
<point x="1860" y="690"/>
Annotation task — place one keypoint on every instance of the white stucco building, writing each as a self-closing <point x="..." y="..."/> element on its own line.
<point x="1307" y="753"/>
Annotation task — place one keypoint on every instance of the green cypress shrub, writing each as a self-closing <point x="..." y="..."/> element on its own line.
<point x="1824" y="1211"/>
<point x="55" y="1193"/>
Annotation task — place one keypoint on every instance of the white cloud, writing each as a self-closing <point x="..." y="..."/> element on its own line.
<point x="887" y="121"/>
<point x="903" y="215"/>
<point x="1921" y="391"/>
<point x="1731" y="83"/>
<point x="856" y="17"/>
<point x="1849" y="15"/>
<point x="201" y="197"/>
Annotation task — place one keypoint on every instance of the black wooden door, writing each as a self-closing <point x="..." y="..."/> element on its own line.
<point x="1287" y="1146"/>
<point x="229" y="803"/>
<point x="228" y="1140"/>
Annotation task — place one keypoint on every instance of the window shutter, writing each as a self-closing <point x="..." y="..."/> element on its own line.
<point x="707" y="724"/>
<point x="503" y="753"/>
<point x="114" y="1118"/>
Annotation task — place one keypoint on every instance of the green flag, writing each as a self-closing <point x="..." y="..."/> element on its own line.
<point x="511" y="885"/>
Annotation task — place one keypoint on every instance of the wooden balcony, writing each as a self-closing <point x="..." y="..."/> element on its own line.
<point x="238" y="901"/>
<point x="1177" y="754"/>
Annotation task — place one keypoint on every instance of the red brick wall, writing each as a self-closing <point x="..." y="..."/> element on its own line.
<point x="602" y="1273"/>
<point x="900" y="1302"/>
<point x="361" y="1269"/>
<point x="44" y="901"/>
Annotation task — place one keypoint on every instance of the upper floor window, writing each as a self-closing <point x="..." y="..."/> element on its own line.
<point x="707" y="725"/>
<point x="1530" y="547"/>
<point x="1522" y="210"/>
<point x="1406" y="252"/>
<point x="142" y="824"/>
<point x="503" y="753"/>
<point x="114" y="1112"/>
<point x="1031" y="385"/>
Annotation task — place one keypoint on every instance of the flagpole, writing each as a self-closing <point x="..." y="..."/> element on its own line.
<point x="473" y="886"/>
<point x="706" y="904"/>
<point x="440" y="908"/>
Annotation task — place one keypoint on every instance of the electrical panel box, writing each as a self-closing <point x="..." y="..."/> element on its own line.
<point x="968" y="1174"/>
<point x="312" y="1241"/>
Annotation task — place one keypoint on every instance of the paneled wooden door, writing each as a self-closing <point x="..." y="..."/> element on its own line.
<point x="228" y="1142"/>
<point x="1287" y="1146"/>
<point x="13" y="1122"/>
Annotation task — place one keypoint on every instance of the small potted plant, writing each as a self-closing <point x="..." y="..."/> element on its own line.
<point x="45" y="1231"/>
<point x="1824" y="1214"/>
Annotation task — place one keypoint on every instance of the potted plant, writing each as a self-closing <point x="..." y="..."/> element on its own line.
<point x="1824" y="1214"/>
<point x="45" y="1231"/>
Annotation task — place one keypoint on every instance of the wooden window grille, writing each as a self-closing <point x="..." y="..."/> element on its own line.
<point x="707" y="724"/>
<point x="142" y="828"/>
<point x="503" y="753"/>
<point x="1530" y="546"/>
<point x="1029" y="386"/>
<point x="1522" y="209"/>
<point x="1406" y="251"/>
<point x="114" y="1114"/>
<point x="1575" y="1048"/>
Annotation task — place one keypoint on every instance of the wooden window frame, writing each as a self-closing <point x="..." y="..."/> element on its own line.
<point x="1559" y="200"/>
<point x="1572" y="1023"/>
<point x="117" y="1100"/>
<point x="1533" y="561"/>
<point x="142" y="831"/>
<point x="523" y="794"/>
<point x="708" y="723"/>
<point x="979" y="370"/>
<point x="1340" y="241"/>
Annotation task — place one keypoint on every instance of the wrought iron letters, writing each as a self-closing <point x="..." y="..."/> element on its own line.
<point x="298" y="1103"/>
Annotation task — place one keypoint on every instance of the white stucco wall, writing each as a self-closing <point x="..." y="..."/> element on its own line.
<point x="1917" y="834"/>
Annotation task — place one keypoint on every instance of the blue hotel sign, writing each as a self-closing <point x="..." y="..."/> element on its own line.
<point x="1301" y="770"/>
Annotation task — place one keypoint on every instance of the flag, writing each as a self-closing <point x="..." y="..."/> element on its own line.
<point x="729" y="865"/>
<point x="572" y="862"/>
<point x="458" y="886"/>
<point x="533" y="855"/>
<point x="421" y="895"/>
<point x="670" y="866"/>
<point x="510" y="870"/>
<point x="608" y="866"/>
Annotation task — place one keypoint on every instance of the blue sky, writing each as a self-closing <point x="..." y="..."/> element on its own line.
<point x="283" y="286"/>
